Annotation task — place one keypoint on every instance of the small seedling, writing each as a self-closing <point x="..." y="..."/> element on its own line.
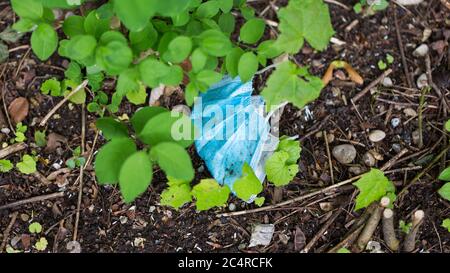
<point x="446" y="224"/>
<point x="372" y="186"/>
<point x="27" y="165"/>
<point x="35" y="227"/>
<point x="20" y="132"/>
<point x="76" y="160"/>
<point x="405" y="228"/>
<point x="40" y="138"/>
<point x="5" y="165"/>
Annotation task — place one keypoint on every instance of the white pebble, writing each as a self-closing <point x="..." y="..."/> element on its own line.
<point x="6" y="131"/>
<point x="422" y="81"/>
<point x="377" y="135"/>
<point x="421" y="51"/>
<point x="387" y="82"/>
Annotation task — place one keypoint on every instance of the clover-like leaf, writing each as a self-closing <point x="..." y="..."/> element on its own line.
<point x="208" y="194"/>
<point x="248" y="185"/>
<point x="278" y="170"/>
<point x="444" y="191"/>
<point x="176" y="196"/>
<point x="27" y="165"/>
<point x="35" y="227"/>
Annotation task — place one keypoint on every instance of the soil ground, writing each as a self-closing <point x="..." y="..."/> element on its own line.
<point x="107" y="224"/>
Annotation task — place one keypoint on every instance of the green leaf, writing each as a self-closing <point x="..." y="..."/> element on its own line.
<point x="95" y="26"/>
<point x="304" y="19"/>
<point x="247" y="67"/>
<point x="111" y="128"/>
<point x="27" y="165"/>
<point x="80" y="47"/>
<point x="389" y="58"/>
<point x="268" y="49"/>
<point x="372" y="186"/>
<point x="44" y="41"/>
<point x="176" y="196"/>
<point x="178" y="49"/>
<point x="5" y="165"/>
<point x="40" y="138"/>
<point x="232" y="61"/>
<point x="227" y="22"/>
<point x="447" y="125"/>
<point x="173" y="160"/>
<point x="278" y="171"/>
<point x="114" y="58"/>
<point x="357" y="8"/>
<point x="292" y="147"/>
<point x="446" y="224"/>
<point x="209" y="194"/>
<point x="110" y="159"/>
<point x="208" y="78"/>
<point x="248" y="185"/>
<point x="112" y="36"/>
<point x="79" y="97"/>
<point x="128" y="81"/>
<point x="405" y="228"/>
<point x="30" y="9"/>
<point x="343" y="250"/>
<point x="135" y="175"/>
<point x="226" y="5"/>
<point x="445" y="191"/>
<point x="259" y="201"/>
<point x="143" y="39"/>
<point x="169" y="8"/>
<point x="41" y="245"/>
<point x="35" y="227"/>
<point x="381" y="65"/>
<point x="143" y="115"/>
<point x="445" y="174"/>
<point x="252" y="31"/>
<point x="73" y="72"/>
<point x="153" y="73"/>
<point x="168" y="126"/>
<point x="51" y="86"/>
<point x="214" y="43"/>
<point x="285" y="85"/>
<point x="198" y="60"/>
<point x="10" y="35"/>
<point x="74" y="25"/>
<point x="135" y="14"/>
<point x="137" y="97"/>
<point x="208" y="9"/>
<point x="24" y="25"/>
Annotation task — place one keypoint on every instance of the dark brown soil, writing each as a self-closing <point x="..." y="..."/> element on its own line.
<point x="109" y="225"/>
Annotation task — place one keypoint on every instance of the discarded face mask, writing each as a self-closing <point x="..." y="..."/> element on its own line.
<point x="232" y="129"/>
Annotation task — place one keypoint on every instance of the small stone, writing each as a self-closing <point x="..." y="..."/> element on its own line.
<point x="344" y="153"/>
<point x="396" y="147"/>
<point x="421" y="51"/>
<point x="409" y="112"/>
<point x="422" y="81"/>
<point x="409" y="2"/>
<point x="24" y="217"/>
<point x="123" y="220"/>
<point x="369" y="160"/>
<point x="326" y="206"/>
<point x="231" y="206"/>
<point x="356" y="170"/>
<point x="415" y="135"/>
<point x="330" y="138"/>
<point x="56" y="166"/>
<point x="395" y="122"/>
<point x="201" y="169"/>
<point x="426" y="34"/>
<point x="377" y="135"/>
<point x="387" y="82"/>
<point x="5" y="131"/>
<point x="151" y="209"/>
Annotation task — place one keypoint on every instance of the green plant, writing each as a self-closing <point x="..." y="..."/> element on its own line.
<point x="77" y="160"/>
<point x="446" y="224"/>
<point x="144" y="44"/>
<point x="20" y="132"/>
<point x="119" y="161"/>
<point x="35" y="227"/>
<point x="281" y="167"/>
<point x="405" y="227"/>
<point x="372" y="186"/>
<point x="40" y="138"/>
<point x="370" y="7"/>
<point x="27" y="165"/>
<point x="444" y="191"/>
<point x="5" y="166"/>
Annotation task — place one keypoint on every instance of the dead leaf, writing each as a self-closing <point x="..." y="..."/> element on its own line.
<point x="299" y="239"/>
<point x="25" y="238"/>
<point x="18" y="109"/>
<point x="54" y="141"/>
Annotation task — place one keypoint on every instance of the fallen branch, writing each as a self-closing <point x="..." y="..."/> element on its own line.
<point x="371" y="85"/>
<point x="371" y="226"/>
<point x="32" y="200"/>
<point x="8" y="230"/>
<point x="287" y="202"/>
<point x="389" y="231"/>
<point x="409" y="244"/>
<point x="50" y="114"/>
<point x="12" y="149"/>
<point x="321" y="232"/>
